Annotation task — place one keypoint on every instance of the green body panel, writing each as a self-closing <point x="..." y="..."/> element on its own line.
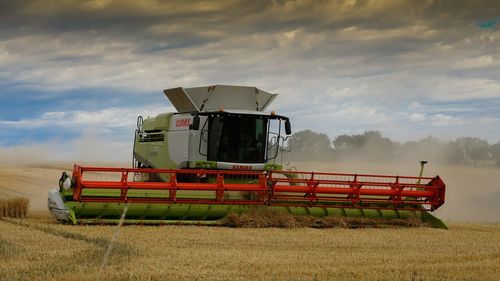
<point x="273" y="166"/>
<point x="434" y="221"/>
<point x="203" y="164"/>
<point x="156" y="153"/>
<point x="160" y="122"/>
<point x="158" y="213"/>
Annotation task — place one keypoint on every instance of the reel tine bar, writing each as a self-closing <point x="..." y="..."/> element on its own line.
<point x="280" y="188"/>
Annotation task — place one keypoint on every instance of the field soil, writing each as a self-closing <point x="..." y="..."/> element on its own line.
<point x="39" y="248"/>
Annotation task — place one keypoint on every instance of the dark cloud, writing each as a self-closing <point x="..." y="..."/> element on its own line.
<point x="234" y="17"/>
<point x="360" y="63"/>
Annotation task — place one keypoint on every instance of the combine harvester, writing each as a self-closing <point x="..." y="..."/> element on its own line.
<point x="220" y="153"/>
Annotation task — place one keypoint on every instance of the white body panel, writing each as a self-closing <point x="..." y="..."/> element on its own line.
<point x="240" y="166"/>
<point x="178" y="138"/>
<point x="56" y="206"/>
<point x="183" y="144"/>
<point x="212" y="98"/>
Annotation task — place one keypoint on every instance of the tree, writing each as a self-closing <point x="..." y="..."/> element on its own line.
<point x="473" y="149"/>
<point x="310" y="146"/>
<point x="370" y="145"/>
<point x="495" y="152"/>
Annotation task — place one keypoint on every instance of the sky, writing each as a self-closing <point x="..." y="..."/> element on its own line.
<point x="74" y="75"/>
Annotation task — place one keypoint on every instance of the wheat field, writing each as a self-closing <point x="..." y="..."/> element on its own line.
<point x="39" y="248"/>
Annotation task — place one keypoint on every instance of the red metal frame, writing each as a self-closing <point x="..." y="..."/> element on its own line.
<point x="278" y="188"/>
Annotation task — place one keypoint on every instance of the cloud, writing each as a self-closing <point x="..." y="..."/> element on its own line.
<point x="340" y="67"/>
<point x="441" y="120"/>
<point x="478" y="62"/>
<point x="417" y="117"/>
<point x="105" y="118"/>
<point x="183" y="43"/>
<point x="445" y="120"/>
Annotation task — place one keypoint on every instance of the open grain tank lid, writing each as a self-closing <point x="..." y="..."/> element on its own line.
<point x="211" y="98"/>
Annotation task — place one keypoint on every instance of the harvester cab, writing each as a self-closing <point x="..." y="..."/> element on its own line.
<point x="215" y="127"/>
<point x="221" y="153"/>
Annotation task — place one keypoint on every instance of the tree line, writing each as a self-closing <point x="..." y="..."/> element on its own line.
<point x="372" y="146"/>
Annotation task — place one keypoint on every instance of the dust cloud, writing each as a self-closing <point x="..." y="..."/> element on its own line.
<point x="385" y="151"/>
<point x="30" y="171"/>
<point x="472" y="192"/>
<point x="89" y="148"/>
<point x="24" y="155"/>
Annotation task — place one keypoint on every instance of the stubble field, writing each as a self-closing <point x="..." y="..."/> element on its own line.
<point x="38" y="248"/>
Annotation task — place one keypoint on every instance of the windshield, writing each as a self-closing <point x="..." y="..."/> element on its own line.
<point x="237" y="139"/>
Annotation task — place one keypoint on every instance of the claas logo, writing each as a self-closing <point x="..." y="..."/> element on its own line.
<point x="182" y="122"/>
<point x="242" y="167"/>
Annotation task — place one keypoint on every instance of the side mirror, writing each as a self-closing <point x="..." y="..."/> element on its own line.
<point x="288" y="128"/>
<point x="140" y="121"/>
<point x="196" y="123"/>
